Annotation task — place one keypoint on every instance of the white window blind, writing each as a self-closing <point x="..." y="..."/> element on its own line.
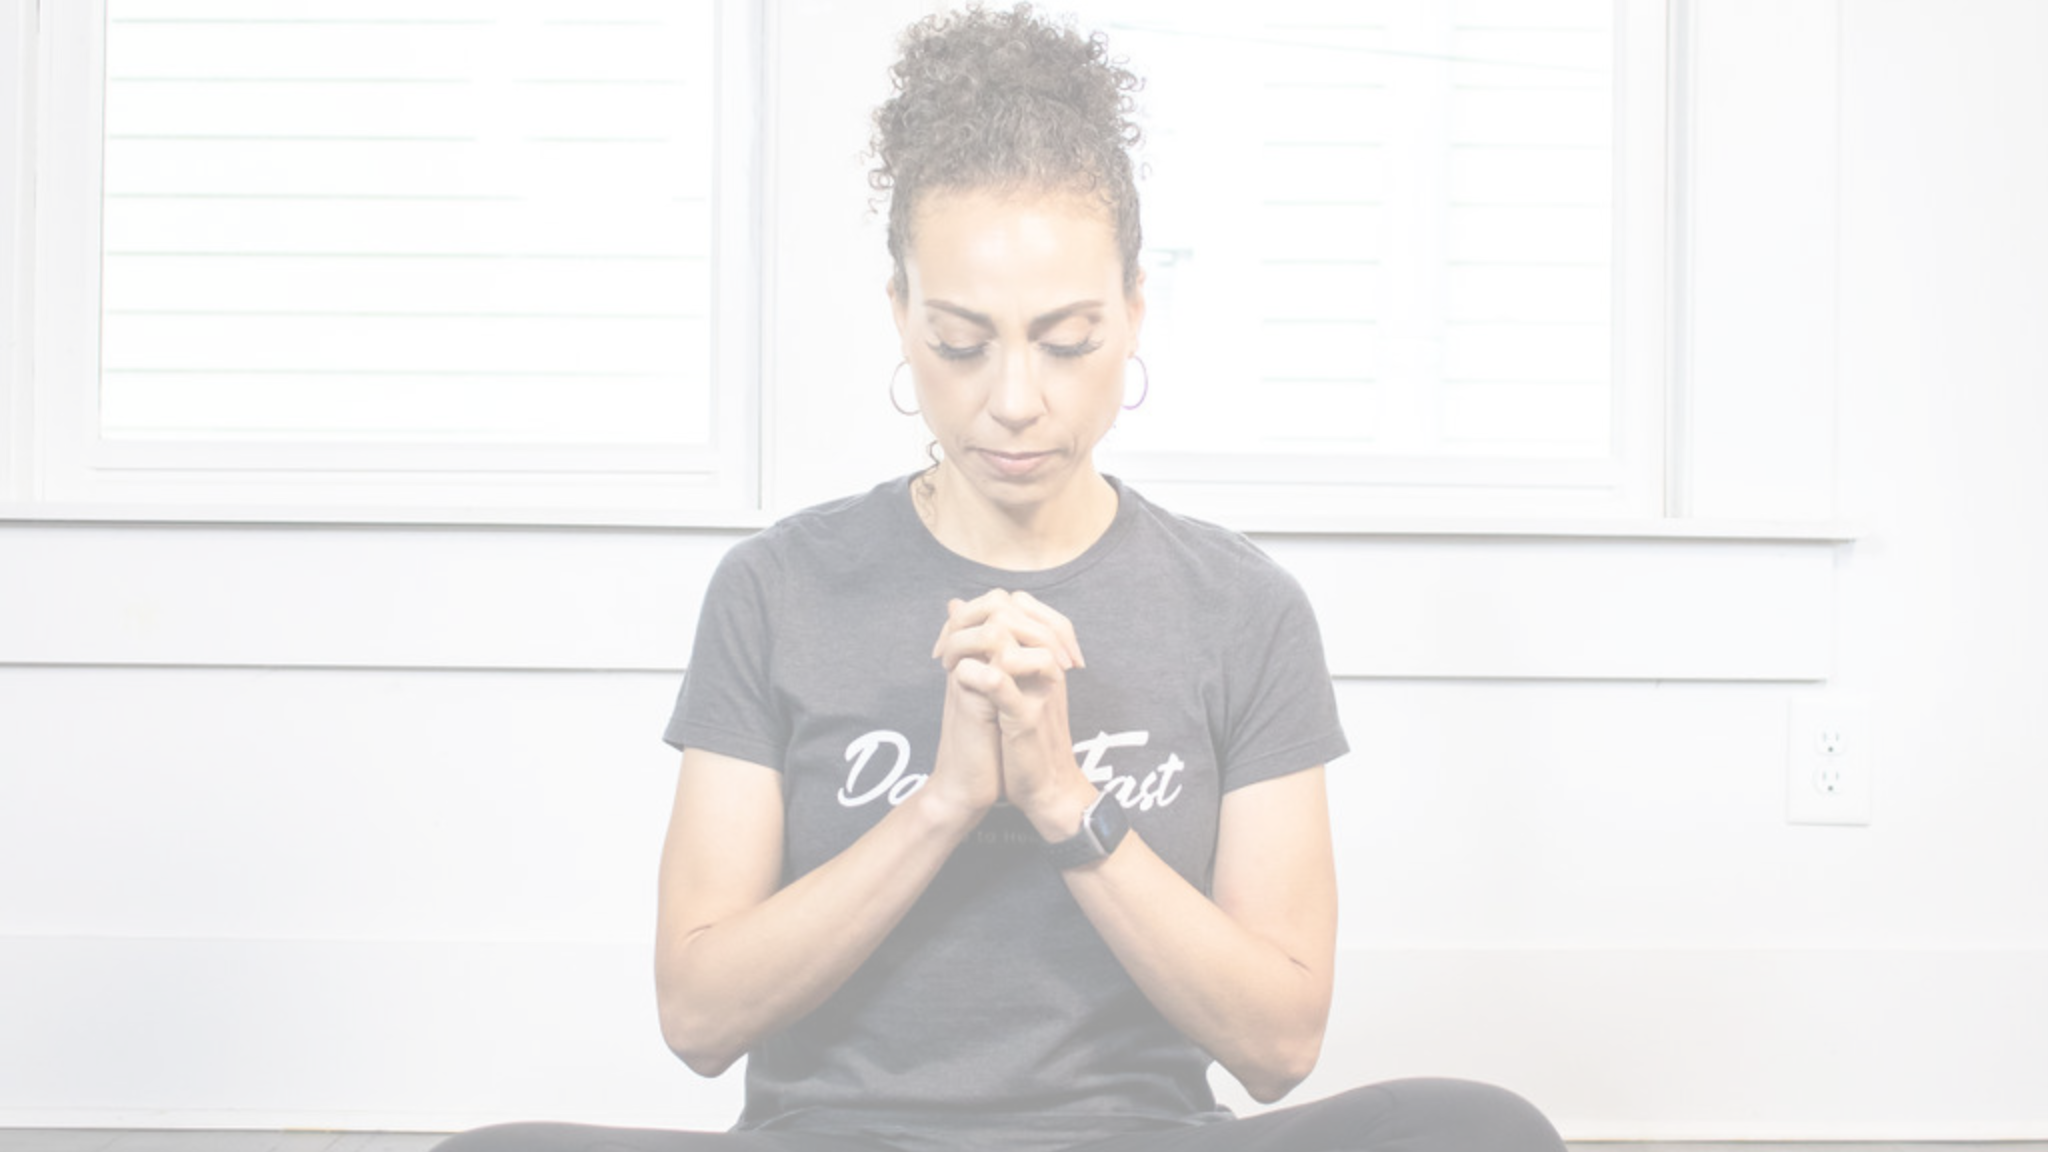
<point x="414" y="235"/>
<point x="1381" y="241"/>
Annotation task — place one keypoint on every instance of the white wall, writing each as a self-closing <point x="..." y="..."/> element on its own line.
<point x="357" y="826"/>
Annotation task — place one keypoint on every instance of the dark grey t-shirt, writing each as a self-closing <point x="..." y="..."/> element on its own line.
<point x="994" y="1016"/>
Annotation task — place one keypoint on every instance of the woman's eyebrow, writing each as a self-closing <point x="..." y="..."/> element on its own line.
<point x="967" y="314"/>
<point x="1052" y="318"/>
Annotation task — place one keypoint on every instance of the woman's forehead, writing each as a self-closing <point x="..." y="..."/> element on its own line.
<point x="976" y="233"/>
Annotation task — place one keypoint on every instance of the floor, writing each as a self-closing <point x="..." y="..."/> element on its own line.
<point x="113" y="1140"/>
<point x="106" y="1140"/>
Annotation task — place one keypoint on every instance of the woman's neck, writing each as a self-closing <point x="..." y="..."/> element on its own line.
<point x="1017" y="537"/>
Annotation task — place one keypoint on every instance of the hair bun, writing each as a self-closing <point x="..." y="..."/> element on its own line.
<point x="1007" y="99"/>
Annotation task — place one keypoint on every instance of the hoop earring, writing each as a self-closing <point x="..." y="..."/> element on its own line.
<point x="893" y="402"/>
<point x="1145" y="376"/>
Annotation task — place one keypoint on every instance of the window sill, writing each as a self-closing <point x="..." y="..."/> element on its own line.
<point x="384" y="517"/>
<point x="1556" y="528"/>
<point x="1275" y="525"/>
<point x="1397" y="598"/>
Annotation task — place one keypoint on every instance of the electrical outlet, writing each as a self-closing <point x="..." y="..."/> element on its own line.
<point x="1827" y="762"/>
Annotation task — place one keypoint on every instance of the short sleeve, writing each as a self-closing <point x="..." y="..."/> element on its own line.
<point x="1282" y="708"/>
<point x="727" y="703"/>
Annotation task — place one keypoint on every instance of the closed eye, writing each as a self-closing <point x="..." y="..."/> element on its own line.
<point x="1072" y="351"/>
<point x="946" y="351"/>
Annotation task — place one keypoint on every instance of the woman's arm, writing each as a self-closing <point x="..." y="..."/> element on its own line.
<point x="1245" y="974"/>
<point x="736" y="957"/>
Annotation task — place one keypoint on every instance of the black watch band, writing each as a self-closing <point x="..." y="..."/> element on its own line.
<point x="1102" y="828"/>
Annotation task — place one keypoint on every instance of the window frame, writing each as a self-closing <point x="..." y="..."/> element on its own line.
<point x="34" y="342"/>
<point x="1630" y="482"/>
<point x="64" y="469"/>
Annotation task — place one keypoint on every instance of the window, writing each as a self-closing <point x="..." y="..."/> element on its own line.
<point x="448" y="253"/>
<point x="425" y="258"/>
<point x="1420" y="307"/>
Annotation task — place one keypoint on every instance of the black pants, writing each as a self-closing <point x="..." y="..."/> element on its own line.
<point x="1398" y="1116"/>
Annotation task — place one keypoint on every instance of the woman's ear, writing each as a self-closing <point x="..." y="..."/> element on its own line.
<point x="1134" y="306"/>
<point x="898" y="307"/>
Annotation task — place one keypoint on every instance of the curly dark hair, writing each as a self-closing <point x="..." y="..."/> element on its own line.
<point x="1007" y="100"/>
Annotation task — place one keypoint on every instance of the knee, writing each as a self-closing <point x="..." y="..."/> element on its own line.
<point x="1474" y="1117"/>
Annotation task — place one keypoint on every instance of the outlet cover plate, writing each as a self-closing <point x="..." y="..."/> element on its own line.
<point x="1828" y="762"/>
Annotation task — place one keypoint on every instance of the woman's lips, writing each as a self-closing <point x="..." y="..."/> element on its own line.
<point x="1013" y="463"/>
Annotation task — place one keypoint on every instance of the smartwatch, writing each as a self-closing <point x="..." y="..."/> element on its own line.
<point x="1102" y="828"/>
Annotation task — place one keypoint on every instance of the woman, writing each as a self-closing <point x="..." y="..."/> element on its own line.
<point x="1001" y="810"/>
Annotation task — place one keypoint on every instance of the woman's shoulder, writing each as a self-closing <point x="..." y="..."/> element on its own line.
<point x="832" y="524"/>
<point x="834" y="537"/>
<point x="1211" y="553"/>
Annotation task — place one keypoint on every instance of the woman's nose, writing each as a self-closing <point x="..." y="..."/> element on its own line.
<point x="1015" y="400"/>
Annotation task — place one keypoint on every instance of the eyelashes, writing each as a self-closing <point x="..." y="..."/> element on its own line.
<point x="945" y="351"/>
<point x="1072" y="351"/>
<point x="955" y="352"/>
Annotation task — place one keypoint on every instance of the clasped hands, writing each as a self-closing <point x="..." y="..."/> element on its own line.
<point x="1005" y="734"/>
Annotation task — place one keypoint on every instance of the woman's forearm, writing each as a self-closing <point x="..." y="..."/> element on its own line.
<point x="1259" y="1010"/>
<point x="728" y="978"/>
<point x="1251" y="986"/>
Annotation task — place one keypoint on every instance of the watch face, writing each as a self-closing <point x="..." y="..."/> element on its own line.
<point x="1107" y="823"/>
<point x="1098" y="824"/>
<point x="1102" y="828"/>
